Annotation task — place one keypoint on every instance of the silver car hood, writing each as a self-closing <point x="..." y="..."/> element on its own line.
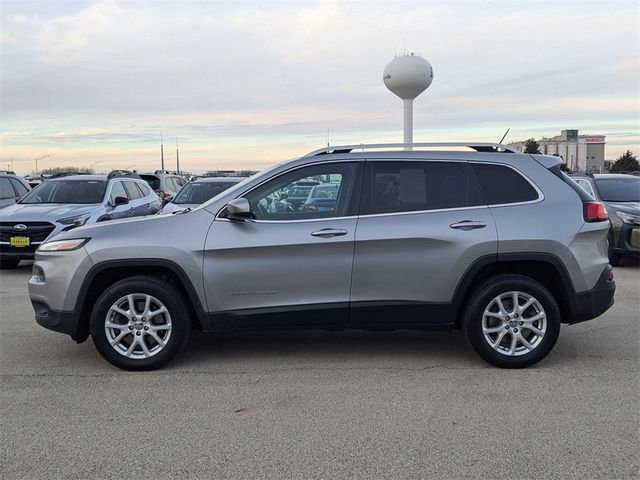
<point x="43" y="212"/>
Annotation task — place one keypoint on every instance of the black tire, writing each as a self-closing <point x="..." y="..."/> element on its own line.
<point x="161" y="290"/>
<point x="482" y="297"/>
<point x="8" y="263"/>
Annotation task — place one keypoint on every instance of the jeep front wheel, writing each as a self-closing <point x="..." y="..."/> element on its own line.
<point x="140" y="323"/>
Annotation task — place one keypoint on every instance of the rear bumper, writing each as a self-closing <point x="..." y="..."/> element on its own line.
<point x="62" y="322"/>
<point x="593" y="303"/>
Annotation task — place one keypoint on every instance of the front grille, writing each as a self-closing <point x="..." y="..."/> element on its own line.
<point x="36" y="231"/>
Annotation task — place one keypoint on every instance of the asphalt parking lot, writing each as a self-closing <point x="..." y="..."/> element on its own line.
<point x="322" y="404"/>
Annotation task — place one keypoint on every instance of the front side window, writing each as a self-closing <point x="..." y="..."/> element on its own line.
<point x="417" y="186"/>
<point x="117" y="191"/>
<point x="271" y="201"/>
<point x="67" y="191"/>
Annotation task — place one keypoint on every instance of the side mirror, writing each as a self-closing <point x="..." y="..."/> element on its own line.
<point x="120" y="201"/>
<point x="239" y="209"/>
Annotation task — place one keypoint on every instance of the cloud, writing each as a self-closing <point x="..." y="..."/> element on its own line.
<point x="218" y="72"/>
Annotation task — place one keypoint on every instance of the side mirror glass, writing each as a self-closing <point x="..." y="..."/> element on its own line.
<point x="120" y="201"/>
<point x="239" y="209"/>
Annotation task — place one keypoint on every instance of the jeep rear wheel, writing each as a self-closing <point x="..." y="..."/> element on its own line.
<point x="512" y="321"/>
<point x="140" y="323"/>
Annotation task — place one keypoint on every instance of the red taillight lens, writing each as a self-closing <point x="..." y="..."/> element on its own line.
<point x="162" y="194"/>
<point x="595" y="212"/>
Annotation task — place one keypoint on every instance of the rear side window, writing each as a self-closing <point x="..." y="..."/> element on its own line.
<point x="502" y="184"/>
<point x="415" y="186"/>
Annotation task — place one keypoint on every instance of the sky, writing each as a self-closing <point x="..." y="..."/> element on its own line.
<point x="245" y="84"/>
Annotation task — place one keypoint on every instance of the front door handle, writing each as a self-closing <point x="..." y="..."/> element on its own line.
<point x="468" y="225"/>
<point x="329" y="232"/>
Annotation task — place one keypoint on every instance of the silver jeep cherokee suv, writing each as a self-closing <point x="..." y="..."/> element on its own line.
<point x="498" y="243"/>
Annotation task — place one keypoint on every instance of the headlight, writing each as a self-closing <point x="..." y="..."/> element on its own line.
<point x="75" y="221"/>
<point x="628" y="218"/>
<point x="63" y="245"/>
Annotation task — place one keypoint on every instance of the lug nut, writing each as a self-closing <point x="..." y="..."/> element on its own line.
<point x="138" y="333"/>
<point x="146" y="328"/>
<point x="521" y="322"/>
<point x="506" y="327"/>
<point x="507" y="317"/>
<point x="130" y="327"/>
<point x="516" y="315"/>
<point x="515" y="330"/>
<point x="144" y="319"/>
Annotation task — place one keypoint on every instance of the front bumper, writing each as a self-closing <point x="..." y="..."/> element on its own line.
<point x="593" y="303"/>
<point x="62" y="322"/>
<point x="627" y="238"/>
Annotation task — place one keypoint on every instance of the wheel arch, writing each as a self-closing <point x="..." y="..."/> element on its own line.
<point x="546" y="269"/>
<point x="104" y="274"/>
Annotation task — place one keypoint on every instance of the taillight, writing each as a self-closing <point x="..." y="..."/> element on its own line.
<point x="162" y="194"/>
<point x="595" y="212"/>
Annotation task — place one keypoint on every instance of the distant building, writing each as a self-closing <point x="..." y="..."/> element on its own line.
<point x="580" y="152"/>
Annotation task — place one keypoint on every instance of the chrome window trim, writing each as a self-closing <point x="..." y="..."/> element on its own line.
<point x="302" y="220"/>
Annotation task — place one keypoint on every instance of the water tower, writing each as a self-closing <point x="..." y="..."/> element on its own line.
<point x="408" y="76"/>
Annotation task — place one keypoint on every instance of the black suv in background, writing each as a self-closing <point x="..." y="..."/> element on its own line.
<point x="621" y="195"/>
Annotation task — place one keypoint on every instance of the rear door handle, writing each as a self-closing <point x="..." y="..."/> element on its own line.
<point x="329" y="232"/>
<point x="468" y="225"/>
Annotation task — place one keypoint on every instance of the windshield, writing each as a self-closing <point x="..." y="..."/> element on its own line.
<point x="67" y="191"/>
<point x="197" y="193"/>
<point x="619" y="189"/>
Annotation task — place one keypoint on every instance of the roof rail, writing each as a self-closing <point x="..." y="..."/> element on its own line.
<point x="168" y="172"/>
<point x="65" y="174"/>
<point x="477" y="146"/>
<point x="8" y="172"/>
<point x="122" y="173"/>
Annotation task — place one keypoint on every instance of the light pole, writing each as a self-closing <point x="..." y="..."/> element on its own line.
<point x="94" y="163"/>
<point x="40" y="158"/>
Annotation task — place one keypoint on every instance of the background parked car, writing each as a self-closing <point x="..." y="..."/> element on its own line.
<point x="198" y="191"/>
<point x="12" y="187"/>
<point x="65" y="202"/>
<point x="322" y="198"/>
<point x="164" y="183"/>
<point x="621" y="195"/>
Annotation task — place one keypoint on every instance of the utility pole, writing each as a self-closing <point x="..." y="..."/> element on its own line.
<point x="161" y="152"/>
<point x="40" y="158"/>
<point x="177" y="158"/>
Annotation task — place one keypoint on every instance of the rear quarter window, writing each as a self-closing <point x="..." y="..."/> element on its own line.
<point x="502" y="185"/>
